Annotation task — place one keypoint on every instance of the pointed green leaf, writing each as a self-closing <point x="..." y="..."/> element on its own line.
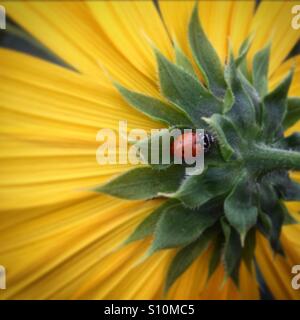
<point x="228" y="100"/>
<point x="214" y="157"/>
<point x="260" y="70"/>
<point x="232" y="251"/>
<point x="292" y="142"/>
<point x="216" y="255"/>
<point x="206" y="56"/>
<point x="180" y="226"/>
<point x="147" y="226"/>
<point x="275" y="105"/>
<point x="242" y="112"/>
<point x="198" y="189"/>
<point x="277" y="216"/>
<point x="152" y="149"/>
<point x="243" y="68"/>
<point x="253" y="95"/>
<point x="293" y="112"/>
<point x="224" y="131"/>
<point x="274" y="209"/>
<point x="239" y="206"/>
<point x="267" y="193"/>
<point x="264" y="224"/>
<point x="243" y="51"/>
<point x="183" y="90"/>
<point x="185" y="257"/>
<point x="154" y="108"/>
<point x="288" y="189"/>
<point x="183" y="61"/>
<point x="144" y="183"/>
<point x="249" y="248"/>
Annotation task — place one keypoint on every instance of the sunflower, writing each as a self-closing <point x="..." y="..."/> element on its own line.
<point x="229" y="233"/>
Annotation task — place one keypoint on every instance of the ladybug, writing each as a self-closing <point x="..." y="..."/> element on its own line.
<point x="191" y="141"/>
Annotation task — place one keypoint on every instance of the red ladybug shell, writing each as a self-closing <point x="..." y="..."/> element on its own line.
<point x="186" y="145"/>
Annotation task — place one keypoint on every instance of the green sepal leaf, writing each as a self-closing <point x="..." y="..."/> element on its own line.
<point x="274" y="108"/>
<point x="277" y="216"/>
<point x="249" y="248"/>
<point x="293" y="112"/>
<point x="180" y="226"/>
<point x="240" y="208"/>
<point x="243" y="51"/>
<point x="206" y="57"/>
<point x="147" y="226"/>
<point x="216" y="256"/>
<point x="264" y="224"/>
<point x="253" y="95"/>
<point x="292" y="142"/>
<point x="186" y="256"/>
<point x="214" y="181"/>
<point x="232" y="251"/>
<point x="228" y="100"/>
<point x="226" y="134"/>
<point x="242" y="112"/>
<point x="271" y="206"/>
<point x="243" y="68"/>
<point x="288" y="189"/>
<point x="182" y="61"/>
<point x="186" y="92"/>
<point x="144" y="183"/>
<point x="154" y="108"/>
<point x="214" y="157"/>
<point x="260" y="70"/>
<point x="151" y="149"/>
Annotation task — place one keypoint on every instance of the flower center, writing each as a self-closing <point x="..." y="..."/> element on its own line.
<point x="246" y="178"/>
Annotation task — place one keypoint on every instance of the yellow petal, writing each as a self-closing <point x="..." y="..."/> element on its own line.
<point x="277" y="270"/>
<point x="296" y="175"/>
<point x="241" y="17"/>
<point x="69" y="29"/>
<point x="192" y="281"/>
<point x="292" y="206"/>
<point x="272" y="22"/>
<point x="216" y="289"/>
<point x="55" y="249"/>
<point x="57" y="239"/>
<point x="215" y="17"/>
<point x="54" y="123"/>
<point x="294" y="128"/>
<point x="283" y="70"/>
<point x="176" y="15"/>
<point x="102" y="277"/>
<point x="128" y="27"/>
<point x="218" y="25"/>
<point x="141" y="282"/>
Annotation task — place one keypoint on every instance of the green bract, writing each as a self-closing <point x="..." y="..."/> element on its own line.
<point x="246" y="178"/>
